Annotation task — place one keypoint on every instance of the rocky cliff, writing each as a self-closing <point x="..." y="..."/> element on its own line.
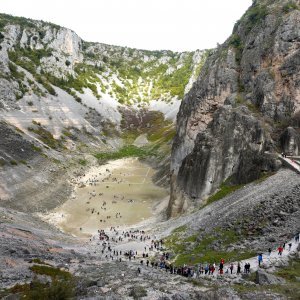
<point x="234" y="119"/>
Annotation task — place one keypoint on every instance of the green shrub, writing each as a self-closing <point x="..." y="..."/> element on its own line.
<point x="236" y="42"/>
<point x="82" y="162"/>
<point x="46" y="137"/>
<point x="290" y="6"/>
<point x="56" y="290"/>
<point x="35" y="148"/>
<point x="137" y="292"/>
<point x="255" y="14"/>
<point x="14" y="72"/>
<point x="54" y="273"/>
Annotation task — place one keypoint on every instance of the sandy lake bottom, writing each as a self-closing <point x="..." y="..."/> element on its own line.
<point x="119" y="193"/>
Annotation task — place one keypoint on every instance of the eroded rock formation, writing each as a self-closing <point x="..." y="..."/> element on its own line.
<point x="248" y="92"/>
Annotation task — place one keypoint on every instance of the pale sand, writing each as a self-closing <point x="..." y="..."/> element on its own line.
<point x="127" y="179"/>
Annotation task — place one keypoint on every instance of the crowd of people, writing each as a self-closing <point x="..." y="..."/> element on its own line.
<point x="154" y="256"/>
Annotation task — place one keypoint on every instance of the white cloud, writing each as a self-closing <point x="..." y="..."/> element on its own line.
<point x="146" y="24"/>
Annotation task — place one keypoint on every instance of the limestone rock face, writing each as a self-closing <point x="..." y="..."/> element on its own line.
<point x="233" y="145"/>
<point x="206" y="95"/>
<point x="258" y="68"/>
<point x="290" y="141"/>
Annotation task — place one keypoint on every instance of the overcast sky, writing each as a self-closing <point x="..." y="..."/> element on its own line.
<point x="146" y="24"/>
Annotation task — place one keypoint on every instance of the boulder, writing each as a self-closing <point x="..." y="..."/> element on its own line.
<point x="264" y="278"/>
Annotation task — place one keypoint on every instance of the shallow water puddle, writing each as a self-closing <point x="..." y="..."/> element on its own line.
<point x="116" y="194"/>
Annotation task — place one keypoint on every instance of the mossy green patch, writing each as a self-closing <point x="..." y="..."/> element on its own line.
<point x="61" y="285"/>
<point x="51" y="271"/>
<point x="225" y="189"/>
<point x="289" y="7"/>
<point x="82" y="162"/>
<point x="126" y="151"/>
<point x="39" y="261"/>
<point x="291" y="272"/>
<point x="199" y="248"/>
<point x="46" y="137"/>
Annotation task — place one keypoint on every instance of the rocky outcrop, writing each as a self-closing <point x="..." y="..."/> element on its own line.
<point x="233" y="145"/>
<point x="264" y="278"/>
<point x="290" y="141"/>
<point x="14" y="147"/>
<point x="256" y="68"/>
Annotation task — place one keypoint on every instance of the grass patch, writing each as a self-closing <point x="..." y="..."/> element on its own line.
<point x="56" y="290"/>
<point x="82" y="162"/>
<point x="13" y="162"/>
<point x="36" y="148"/>
<point x="46" y="137"/>
<point x="264" y="176"/>
<point x="166" y="134"/>
<point x="61" y="287"/>
<point x="290" y="6"/>
<point x="291" y="289"/>
<point x="292" y="272"/>
<point x="126" y="151"/>
<point x="195" y="249"/>
<point x="225" y="190"/>
<point x="180" y="229"/>
<point x="39" y="261"/>
<point x="55" y="273"/>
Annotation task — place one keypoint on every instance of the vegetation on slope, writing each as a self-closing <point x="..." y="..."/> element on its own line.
<point x="126" y="74"/>
<point x="60" y="285"/>
<point x="204" y="248"/>
<point x="126" y="151"/>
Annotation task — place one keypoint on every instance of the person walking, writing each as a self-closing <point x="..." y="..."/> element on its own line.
<point x="260" y="259"/>
<point x="221" y="268"/>
<point x="280" y="250"/>
<point x="248" y="268"/>
<point x="238" y="268"/>
<point x="222" y="262"/>
<point x="231" y="268"/>
<point x="290" y="246"/>
<point x="206" y="269"/>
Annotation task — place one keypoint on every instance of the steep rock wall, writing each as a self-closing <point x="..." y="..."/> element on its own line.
<point x="258" y="68"/>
